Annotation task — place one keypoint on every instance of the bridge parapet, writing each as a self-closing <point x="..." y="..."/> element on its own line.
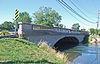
<point x="26" y="27"/>
<point x="29" y="26"/>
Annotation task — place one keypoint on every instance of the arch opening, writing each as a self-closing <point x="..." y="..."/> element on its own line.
<point x="66" y="43"/>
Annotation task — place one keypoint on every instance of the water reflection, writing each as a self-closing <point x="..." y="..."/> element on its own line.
<point x="84" y="54"/>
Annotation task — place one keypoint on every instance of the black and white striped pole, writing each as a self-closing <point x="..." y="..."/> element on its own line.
<point x="16" y="17"/>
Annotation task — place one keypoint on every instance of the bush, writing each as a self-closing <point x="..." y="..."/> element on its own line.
<point x="4" y="32"/>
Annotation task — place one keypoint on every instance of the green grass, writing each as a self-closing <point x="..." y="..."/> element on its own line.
<point x="19" y="51"/>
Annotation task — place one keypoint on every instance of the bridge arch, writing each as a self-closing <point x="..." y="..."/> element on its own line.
<point x="66" y="43"/>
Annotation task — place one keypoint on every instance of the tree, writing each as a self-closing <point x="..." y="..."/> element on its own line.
<point x="7" y="25"/>
<point x="99" y="31"/>
<point x="46" y="16"/>
<point x="60" y="25"/>
<point x="24" y="17"/>
<point x="96" y="31"/>
<point x="76" y="26"/>
<point x="92" y="31"/>
<point x="4" y="32"/>
<point x="0" y="27"/>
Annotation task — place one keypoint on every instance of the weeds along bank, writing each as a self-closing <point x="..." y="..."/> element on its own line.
<point x="19" y="51"/>
<point x="94" y="39"/>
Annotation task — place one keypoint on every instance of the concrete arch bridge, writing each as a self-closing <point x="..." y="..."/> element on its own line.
<point x="60" y="38"/>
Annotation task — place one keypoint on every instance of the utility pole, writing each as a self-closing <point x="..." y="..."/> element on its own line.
<point x="96" y="43"/>
<point x="96" y="39"/>
<point x="98" y="19"/>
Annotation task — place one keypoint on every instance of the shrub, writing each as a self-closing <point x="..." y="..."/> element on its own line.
<point x="4" y="32"/>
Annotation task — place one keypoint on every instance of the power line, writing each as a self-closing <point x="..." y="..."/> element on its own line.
<point x="72" y="10"/>
<point x="98" y="19"/>
<point x="73" y="15"/>
<point x="80" y="9"/>
<point x="84" y="8"/>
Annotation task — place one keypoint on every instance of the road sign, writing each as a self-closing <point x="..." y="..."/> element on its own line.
<point x="16" y="14"/>
<point x="16" y="17"/>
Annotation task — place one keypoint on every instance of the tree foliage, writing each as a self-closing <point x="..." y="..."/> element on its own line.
<point x="60" y="25"/>
<point x="76" y="26"/>
<point x="46" y="16"/>
<point x="99" y="31"/>
<point x="94" y="31"/>
<point x="24" y="17"/>
<point x="4" y="32"/>
<point x="7" y="25"/>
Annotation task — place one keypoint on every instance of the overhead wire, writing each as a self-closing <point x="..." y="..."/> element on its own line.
<point x="85" y="9"/>
<point x="80" y="10"/>
<point x="79" y="5"/>
<point x="72" y="14"/>
<point x="72" y="10"/>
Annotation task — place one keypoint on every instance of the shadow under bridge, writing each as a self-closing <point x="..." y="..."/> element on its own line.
<point x="66" y="43"/>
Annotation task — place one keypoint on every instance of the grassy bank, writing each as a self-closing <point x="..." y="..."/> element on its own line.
<point x="20" y="51"/>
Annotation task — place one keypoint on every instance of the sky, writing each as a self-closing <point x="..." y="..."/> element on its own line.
<point x="88" y="7"/>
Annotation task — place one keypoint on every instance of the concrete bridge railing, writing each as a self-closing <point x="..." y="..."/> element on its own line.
<point x="28" y="26"/>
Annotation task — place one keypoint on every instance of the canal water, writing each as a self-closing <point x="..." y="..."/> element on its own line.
<point x="84" y="54"/>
